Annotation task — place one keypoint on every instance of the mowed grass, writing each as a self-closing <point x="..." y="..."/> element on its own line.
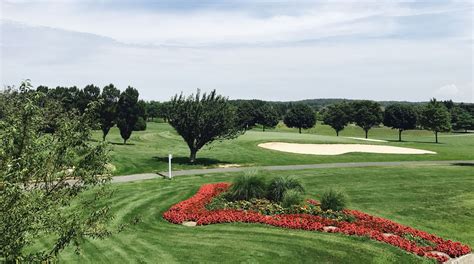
<point x="436" y="199"/>
<point x="147" y="151"/>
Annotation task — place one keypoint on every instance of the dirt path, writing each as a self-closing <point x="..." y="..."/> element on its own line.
<point x="147" y="176"/>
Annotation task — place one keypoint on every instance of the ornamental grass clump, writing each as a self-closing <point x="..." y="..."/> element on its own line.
<point x="246" y="187"/>
<point x="291" y="198"/>
<point x="333" y="200"/>
<point x="279" y="185"/>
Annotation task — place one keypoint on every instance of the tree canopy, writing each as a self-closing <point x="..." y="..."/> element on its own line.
<point x="42" y="175"/>
<point x="128" y="112"/>
<point x="300" y="116"/>
<point x="435" y="117"/>
<point x="461" y="119"/>
<point x="337" y="116"/>
<point x="366" y="114"/>
<point x="108" y="108"/>
<point x="401" y="117"/>
<point x="201" y="119"/>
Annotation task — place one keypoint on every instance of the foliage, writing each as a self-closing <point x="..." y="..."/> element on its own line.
<point x="300" y="116"/>
<point x="89" y="94"/>
<point x="140" y="125"/>
<point x="41" y="176"/>
<point x="202" y="119"/>
<point x="366" y="114"/>
<point x="333" y="200"/>
<point x="246" y="187"/>
<point x="291" y="198"/>
<point x="108" y="109"/>
<point x="267" y="116"/>
<point x="401" y="117"/>
<point x="279" y="185"/>
<point x="337" y="116"/>
<point x="127" y="112"/>
<point x="435" y="117"/>
<point x="461" y="119"/>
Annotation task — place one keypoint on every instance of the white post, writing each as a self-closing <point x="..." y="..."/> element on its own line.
<point x="170" y="156"/>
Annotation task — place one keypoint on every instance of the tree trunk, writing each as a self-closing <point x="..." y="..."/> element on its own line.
<point x="436" y="136"/>
<point x="366" y="133"/>
<point x="299" y="129"/>
<point x="337" y="133"/>
<point x="400" y="135"/>
<point x="125" y="142"/>
<point x="192" y="156"/>
<point x="263" y="128"/>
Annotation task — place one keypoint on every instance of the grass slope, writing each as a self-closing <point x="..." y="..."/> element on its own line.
<point x="148" y="150"/>
<point x="434" y="199"/>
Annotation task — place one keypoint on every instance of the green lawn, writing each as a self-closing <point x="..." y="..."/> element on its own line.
<point x="434" y="199"/>
<point x="148" y="150"/>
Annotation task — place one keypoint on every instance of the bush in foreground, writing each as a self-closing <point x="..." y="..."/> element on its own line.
<point x="333" y="200"/>
<point x="247" y="187"/>
<point x="278" y="186"/>
<point x="292" y="197"/>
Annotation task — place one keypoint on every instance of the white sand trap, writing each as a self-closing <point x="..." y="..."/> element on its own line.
<point x="367" y="139"/>
<point x="338" y="149"/>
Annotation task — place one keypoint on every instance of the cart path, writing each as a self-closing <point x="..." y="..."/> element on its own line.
<point x="147" y="176"/>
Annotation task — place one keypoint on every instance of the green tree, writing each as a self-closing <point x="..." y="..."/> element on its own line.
<point x="153" y="109"/>
<point x="461" y="119"/>
<point x="202" y="119"/>
<point x="89" y="94"/>
<point x="401" y="117"/>
<point x="366" y="114"/>
<point x="128" y="112"/>
<point x="108" y="109"/>
<point x="435" y="117"/>
<point x="247" y="113"/>
<point x="300" y="116"/>
<point x="41" y="177"/>
<point x="267" y="116"/>
<point x="337" y="116"/>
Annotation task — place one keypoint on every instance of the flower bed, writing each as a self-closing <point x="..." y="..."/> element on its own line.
<point x="380" y="229"/>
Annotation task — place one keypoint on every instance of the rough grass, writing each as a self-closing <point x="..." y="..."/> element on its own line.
<point x="148" y="150"/>
<point x="434" y="199"/>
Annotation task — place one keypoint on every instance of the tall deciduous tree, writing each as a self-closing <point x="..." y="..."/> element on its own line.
<point x="366" y="114"/>
<point x="128" y="112"/>
<point x="300" y="116"/>
<point x="401" y="117"/>
<point x="89" y="94"/>
<point x="41" y="177"/>
<point x="337" y="116"/>
<point x="435" y="117"/>
<point x="202" y="119"/>
<point x="108" y="109"/>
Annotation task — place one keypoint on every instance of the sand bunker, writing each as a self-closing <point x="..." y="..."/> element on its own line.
<point x="338" y="149"/>
<point x="367" y="139"/>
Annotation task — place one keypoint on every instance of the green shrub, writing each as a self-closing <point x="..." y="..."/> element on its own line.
<point x="279" y="185"/>
<point x="292" y="197"/>
<point x="333" y="200"/>
<point x="140" y="125"/>
<point x="246" y="187"/>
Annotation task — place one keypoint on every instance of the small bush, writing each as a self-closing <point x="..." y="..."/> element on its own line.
<point x="279" y="185"/>
<point x="333" y="200"/>
<point x="140" y="125"/>
<point x="246" y="187"/>
<point x="292" y="197"/>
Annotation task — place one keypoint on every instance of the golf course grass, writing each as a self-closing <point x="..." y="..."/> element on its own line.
<point x="147" y="151"/>
<point x="436" y="199"/>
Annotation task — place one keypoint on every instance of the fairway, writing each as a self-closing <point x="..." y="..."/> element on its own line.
<point x="437" y="199"/>
<point x="147" y="151"/>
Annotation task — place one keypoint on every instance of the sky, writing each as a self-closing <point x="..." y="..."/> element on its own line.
<point x="271" y="50"/>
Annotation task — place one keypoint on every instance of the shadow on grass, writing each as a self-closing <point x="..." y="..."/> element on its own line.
<point x="121" y="143"/>
<point x="185" y="161"/>
<point x="414" y="141"/>
<point x="466" y="164"/>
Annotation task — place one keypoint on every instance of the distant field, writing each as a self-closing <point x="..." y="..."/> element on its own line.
<point x="435" y="199"/>
<point x="148" y="150"/>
